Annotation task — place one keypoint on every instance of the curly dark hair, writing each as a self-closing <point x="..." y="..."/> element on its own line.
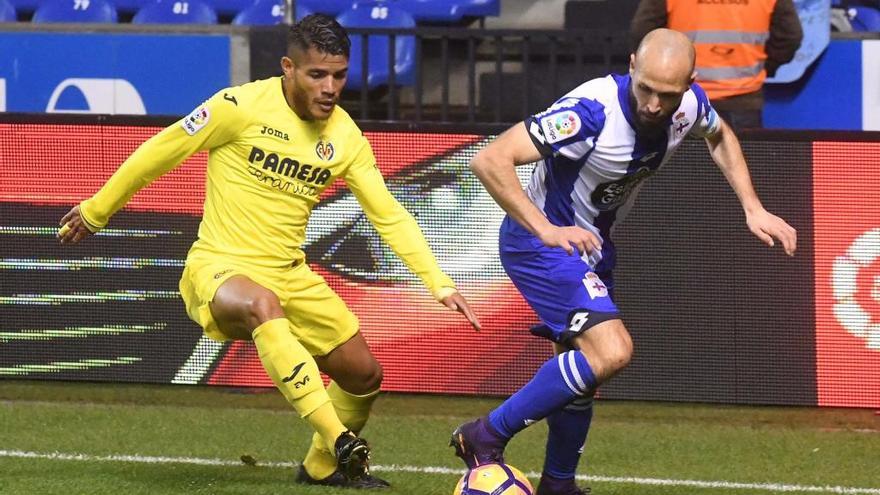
<point x="321" y="32"/>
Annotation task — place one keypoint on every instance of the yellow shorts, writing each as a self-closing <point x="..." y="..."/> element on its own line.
<point x="319" y="319"/>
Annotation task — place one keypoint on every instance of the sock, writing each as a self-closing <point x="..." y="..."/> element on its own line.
<point x="558" y="381"/>
<point x="353" y="411"/>
<point x="568" y="434"/>
<point x="294" y="371"/>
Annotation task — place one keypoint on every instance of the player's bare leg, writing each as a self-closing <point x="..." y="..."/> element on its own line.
<point x="353" y="366"/>
<point x="245" y="310"/>
<point x="608" y="348"/>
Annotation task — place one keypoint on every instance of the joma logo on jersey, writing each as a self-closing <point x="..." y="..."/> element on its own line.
<point x="274" y="132"/>
<point x="289" y="167"/>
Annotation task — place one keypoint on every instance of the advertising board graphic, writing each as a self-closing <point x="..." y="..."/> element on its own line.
<point x="846" y="200"/>
<point x="716" y="316"/>
<point x="128" y="74"/>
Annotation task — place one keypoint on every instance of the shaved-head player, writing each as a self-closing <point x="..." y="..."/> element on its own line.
<point x="593" y="149"/>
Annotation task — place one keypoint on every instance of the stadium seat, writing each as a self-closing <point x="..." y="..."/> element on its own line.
<point x="230" y="7"/>
<point x="267" y="13"/>
<point x="130" y="6"/>
<point x="86" y="11"/>
<point x="25" y="6"/>
<point x="379" y="14"/>
<point x="451" y="12"/>
<point x="176" y="12"/>
<point x="7" y="12"/>
<point x="329" y="7"/>
<point x="481" y="8"/>
<point x="864" y="19"/>
<point x="434" y="11"/>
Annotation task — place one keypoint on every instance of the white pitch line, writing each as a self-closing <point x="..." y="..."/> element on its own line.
<point x="397" y="468"/>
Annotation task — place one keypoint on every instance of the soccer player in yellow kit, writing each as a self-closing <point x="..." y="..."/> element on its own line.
<point x="275" y="145"/>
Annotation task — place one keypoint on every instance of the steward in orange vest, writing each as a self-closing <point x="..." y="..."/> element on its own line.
<point x="738" y="42"/>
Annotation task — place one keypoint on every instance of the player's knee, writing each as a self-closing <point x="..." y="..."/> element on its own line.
<point x="373" y="379"/>
<point x="261" y="306"/>
<point x="621" y="353"/>
<point x="363" y="379"/>
<point x="370" y="378"/>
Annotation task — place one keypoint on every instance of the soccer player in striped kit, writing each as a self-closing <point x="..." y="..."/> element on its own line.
<point x="593" y="149"/>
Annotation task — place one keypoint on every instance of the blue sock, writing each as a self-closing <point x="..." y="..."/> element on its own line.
<point x="558" y="381"/>
<point x="568" y="433"/>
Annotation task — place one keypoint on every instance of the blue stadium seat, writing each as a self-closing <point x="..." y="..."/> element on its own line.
<point x="7" y="12"/>
<point x="379" y="14"/>
<point x="329" y="7"/>
<point x="230" y="7"/>
<point x="267" y="13"/>
<point x="176" y="12"/>
<point x="449" y="11"/>
<point x="25" y="6"/>
<point x="481" y="8"/>
<point x="130" y="6"/>
<point x="436" y="11"/>
<point x="99" y="11"/>
<point x="864" y="19"/>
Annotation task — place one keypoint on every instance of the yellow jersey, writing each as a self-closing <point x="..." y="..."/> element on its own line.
<point x="266" y="170"/>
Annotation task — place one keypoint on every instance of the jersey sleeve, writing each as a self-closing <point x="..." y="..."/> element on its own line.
<point x="708" y="122"/>
<point x="393" y="222"/>
<point x="569" y="127"/>
<point x="214" y="123"/>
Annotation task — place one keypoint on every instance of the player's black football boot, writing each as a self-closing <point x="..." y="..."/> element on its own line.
<point x="554" y="486"/>
<point x="478" y="443"/>
<point x="352" y="455"/>
<point x="339" y="480"/>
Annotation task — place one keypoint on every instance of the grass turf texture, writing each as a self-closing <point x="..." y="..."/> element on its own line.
<point x="795" y="446"/>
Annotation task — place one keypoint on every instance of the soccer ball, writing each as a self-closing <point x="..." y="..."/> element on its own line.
<point x="493" y="479"/>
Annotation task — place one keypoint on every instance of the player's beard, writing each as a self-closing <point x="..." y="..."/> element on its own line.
<point x="642" y="125"/>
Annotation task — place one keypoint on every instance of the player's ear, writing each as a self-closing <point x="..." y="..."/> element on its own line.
<point x="632" y="63"/>
<point x="287" y="66"/>
<point x="693" y="77"/>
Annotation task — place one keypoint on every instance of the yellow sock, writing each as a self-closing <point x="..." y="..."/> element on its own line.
<point x="353" y="411"/>
<point x="327" y="427"/>
<point x="294" y="371"/>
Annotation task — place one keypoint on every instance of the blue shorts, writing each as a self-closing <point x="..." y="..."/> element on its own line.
<point x="567" y="295"/>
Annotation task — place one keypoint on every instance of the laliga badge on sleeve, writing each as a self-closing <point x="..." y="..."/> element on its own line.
<point x="194" y="122"/>
<point x="560" y="126"/>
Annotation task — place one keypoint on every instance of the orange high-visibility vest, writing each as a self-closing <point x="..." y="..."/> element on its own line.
<point x="729" y="37"/>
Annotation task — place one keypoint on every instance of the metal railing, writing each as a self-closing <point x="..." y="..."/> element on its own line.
<point x="468" y="75"/>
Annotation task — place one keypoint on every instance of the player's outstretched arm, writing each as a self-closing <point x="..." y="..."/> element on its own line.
<point x="399" y="229"/>
<point x="210" y="125"/>
<point x="495" y="166"/>
<point x="727" y="154"/>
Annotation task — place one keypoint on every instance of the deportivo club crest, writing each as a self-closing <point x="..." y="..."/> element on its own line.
<point x="680" y="123"/>
<point x="324" y="150"/>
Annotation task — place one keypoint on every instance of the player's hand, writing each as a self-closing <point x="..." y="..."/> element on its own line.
<point x="767" y="227"/>
<point x="571" y="239"/>
<point x="73" y="227"/>
<point x="457" y="302"/>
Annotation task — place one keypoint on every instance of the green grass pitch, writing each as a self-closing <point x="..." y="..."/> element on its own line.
<point x="75" y="438"/>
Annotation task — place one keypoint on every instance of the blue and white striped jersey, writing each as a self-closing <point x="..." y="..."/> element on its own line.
<point x="595" y="160"/>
